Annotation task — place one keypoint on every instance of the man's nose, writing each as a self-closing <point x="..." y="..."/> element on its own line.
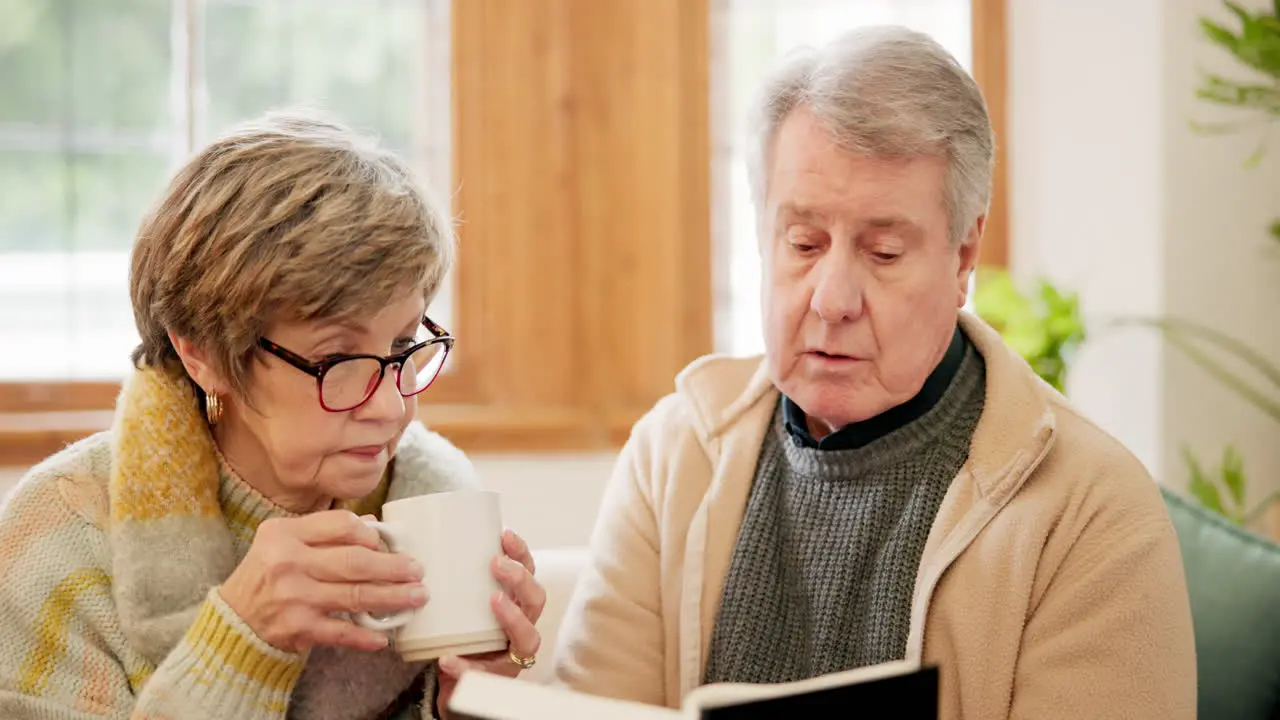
<point x="837" y="290"/>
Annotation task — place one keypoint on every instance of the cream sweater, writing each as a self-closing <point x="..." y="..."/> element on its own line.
<point x="1051" y="584"/>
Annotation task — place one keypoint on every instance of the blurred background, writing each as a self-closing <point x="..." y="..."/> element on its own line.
<point x="592" y="151"/>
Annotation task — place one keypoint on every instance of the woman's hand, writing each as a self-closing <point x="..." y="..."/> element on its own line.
<point x="517" y="609"/>
<point x="301" y="571"/>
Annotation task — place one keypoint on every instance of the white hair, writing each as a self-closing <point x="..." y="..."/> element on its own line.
<point x="892" y="92"/>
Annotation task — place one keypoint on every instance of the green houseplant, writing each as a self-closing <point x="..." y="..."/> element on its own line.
<point x="1256" y="379"/>
<point x="1222" y="489"/>
<point x="1257" y="46"/>
<point x="1043" y="326"/>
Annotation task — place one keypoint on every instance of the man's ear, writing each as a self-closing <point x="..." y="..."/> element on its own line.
<point x="969" y="252"/>
<point x="197" y="364"/>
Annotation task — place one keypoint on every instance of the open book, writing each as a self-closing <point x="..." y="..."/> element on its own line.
<point x="901" y="690"/>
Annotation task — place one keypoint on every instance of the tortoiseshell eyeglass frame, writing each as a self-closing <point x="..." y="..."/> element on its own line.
<point x="439" y="336"/>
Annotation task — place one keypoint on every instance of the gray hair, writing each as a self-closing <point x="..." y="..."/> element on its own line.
<point x="892" y="92"/>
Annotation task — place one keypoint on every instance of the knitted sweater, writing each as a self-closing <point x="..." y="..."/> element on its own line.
<point x="111" y="553"/>
<point x="826" y="559"/>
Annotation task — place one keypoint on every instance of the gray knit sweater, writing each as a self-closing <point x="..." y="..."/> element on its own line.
<point x="826" y="559"/>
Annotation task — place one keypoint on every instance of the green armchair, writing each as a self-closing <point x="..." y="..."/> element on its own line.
<point x="1234" y="581"/>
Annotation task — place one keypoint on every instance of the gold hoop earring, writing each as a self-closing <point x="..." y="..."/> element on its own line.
<point x="213" y="408"/>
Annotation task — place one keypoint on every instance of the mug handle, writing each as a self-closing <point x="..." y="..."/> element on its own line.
<point x="383" y="623"/>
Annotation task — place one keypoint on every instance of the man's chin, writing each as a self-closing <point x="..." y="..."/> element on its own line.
<point x="838" y="408"/>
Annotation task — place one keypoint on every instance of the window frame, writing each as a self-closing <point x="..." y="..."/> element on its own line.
<point x="991" y="71"/>
<point x="541" y="125"/>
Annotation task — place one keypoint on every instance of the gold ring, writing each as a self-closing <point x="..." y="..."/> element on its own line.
<point x="524" y="663"/>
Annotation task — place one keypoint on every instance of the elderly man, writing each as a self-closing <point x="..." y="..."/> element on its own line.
<point x="891" y="481"/>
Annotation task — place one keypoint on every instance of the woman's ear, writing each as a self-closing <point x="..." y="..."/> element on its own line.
<point x="197" y="365"/>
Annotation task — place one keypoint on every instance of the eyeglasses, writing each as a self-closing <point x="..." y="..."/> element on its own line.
<point x="345" y="382"/>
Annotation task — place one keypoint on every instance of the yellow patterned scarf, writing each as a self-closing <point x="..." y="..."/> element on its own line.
<point x="170" y="538"/>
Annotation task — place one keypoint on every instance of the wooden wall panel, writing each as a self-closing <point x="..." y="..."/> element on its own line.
<point x="990" y="70"/>
<point x="512" y="176"/>
<point x="643" y="151"/>
<point x="582" y="156"/>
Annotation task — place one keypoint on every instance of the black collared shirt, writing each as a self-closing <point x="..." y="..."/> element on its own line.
<point x="856" y="435"/>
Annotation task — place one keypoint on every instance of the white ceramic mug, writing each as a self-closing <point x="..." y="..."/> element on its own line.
<point x="455" y="536"/>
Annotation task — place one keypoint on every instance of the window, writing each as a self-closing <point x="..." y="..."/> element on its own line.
<point x="579" y="159"/>
<point x="749" y="37"/>
<point x="103" y="100"/>
<point x="573" y="138"/>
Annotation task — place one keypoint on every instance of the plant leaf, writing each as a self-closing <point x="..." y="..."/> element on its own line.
<point x="1200" y="487"/>
<point x="1226" y="128"/>
<point x="1042" y="327"/>
<point x="1176" y="332"/>
<point x="1258" y="510"/>
<point x="1257" y="45"/>
<point x="1178" y="326"/>
<point x="1216" y="88"/>
<point x="997" y="300"/>
<point x="1244" y="16"/>
<point x="1228" y="378"/>
<point x="1218" y="34"/>
<point x="1256" y="158"/>
<point x="1275" y="224"/>
<point x="1233" y="475"/>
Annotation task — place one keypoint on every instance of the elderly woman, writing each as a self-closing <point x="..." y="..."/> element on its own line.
<point x="890" y="481"/>
<point x="196" y="560"/>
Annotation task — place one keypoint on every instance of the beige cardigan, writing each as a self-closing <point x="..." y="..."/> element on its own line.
<point x="1051" y="584"/>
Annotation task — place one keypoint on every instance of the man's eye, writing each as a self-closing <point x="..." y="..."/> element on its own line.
<point x="884" y="253"/>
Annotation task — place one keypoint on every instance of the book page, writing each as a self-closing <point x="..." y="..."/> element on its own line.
<point x="481" y="696"/>
<point x="710" y="696"/>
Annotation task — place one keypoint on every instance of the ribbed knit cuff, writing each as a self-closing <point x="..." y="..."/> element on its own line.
<point x="225" y="669"/>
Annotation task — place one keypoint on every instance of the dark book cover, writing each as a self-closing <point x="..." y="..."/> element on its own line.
<point x="902" y="691"/>
<point x="913" y="696"/>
